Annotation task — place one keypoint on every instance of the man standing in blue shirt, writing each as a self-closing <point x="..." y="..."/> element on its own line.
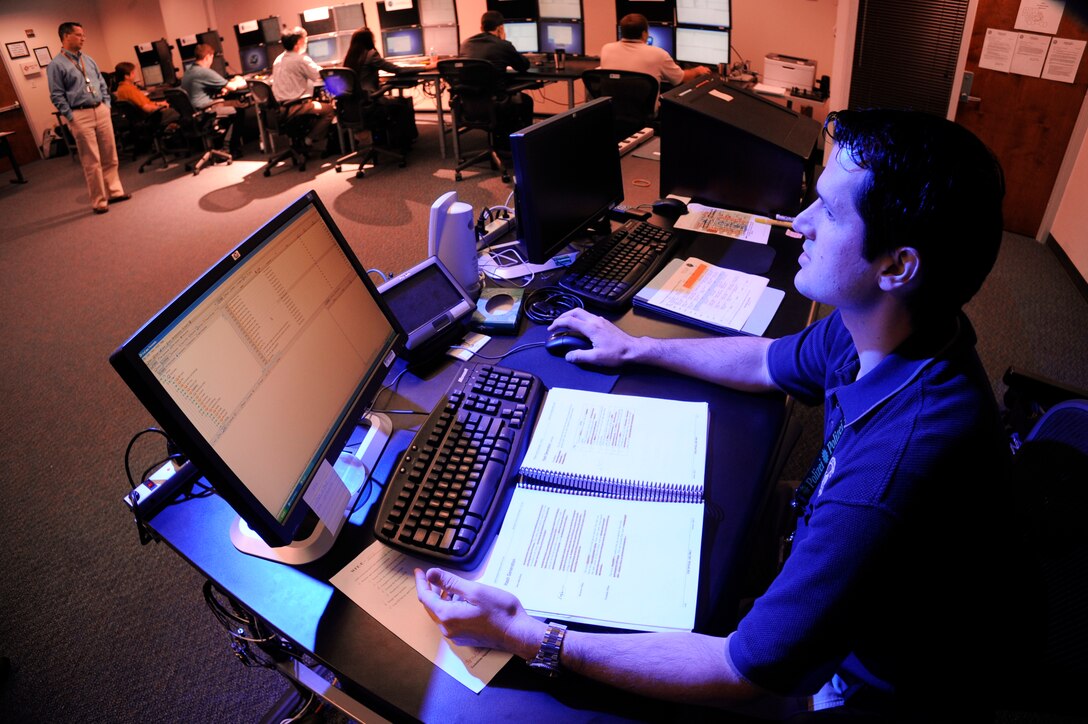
<point x="81" y="95"/>
<point x="886" y="605"/>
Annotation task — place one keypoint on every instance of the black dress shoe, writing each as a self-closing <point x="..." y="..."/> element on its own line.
<point x="100" y="209"/>
<point x="119" y="199"/>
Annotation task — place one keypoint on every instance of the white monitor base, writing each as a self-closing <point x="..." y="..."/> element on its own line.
<point x="319" y="542"/>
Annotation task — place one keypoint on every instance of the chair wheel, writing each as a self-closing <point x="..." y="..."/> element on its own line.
<point x="139" y="170"/>
<point x="402" y="164"/>
<point x="337" y="167"/>
<point x="506" y="178"/>
<point x="457" y="176"/>
<point x="360" y="173"/>
<point x="267" y="173"/>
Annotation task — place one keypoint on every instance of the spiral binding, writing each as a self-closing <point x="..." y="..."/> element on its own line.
<point x="604" y="487"/>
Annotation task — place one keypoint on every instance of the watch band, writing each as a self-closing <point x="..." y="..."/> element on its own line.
<point x="546" y="660"/>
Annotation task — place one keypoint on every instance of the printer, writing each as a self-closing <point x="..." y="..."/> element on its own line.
<point x="787" y="72"/>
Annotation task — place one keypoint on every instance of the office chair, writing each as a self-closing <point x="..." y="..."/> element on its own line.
<point x="202" y="126"/>
<point x="276" y="120"/>
<point x="479" y="100"/>
<point x="140" y="132"/>
<point x="359" y="110"/>
<point x="634" y="97"/>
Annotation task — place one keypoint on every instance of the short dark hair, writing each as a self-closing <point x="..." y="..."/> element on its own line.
<point x="67" y="28"/>
<point x="933" y="186"/>
<point x="633" y="25"/>
<point x="491" y="20"/>
<point x="122" y="69"/>
<point x="292" y="37"/>
<point x="202" y="51"/>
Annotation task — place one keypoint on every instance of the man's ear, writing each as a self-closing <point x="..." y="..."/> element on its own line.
<point x="902" y="267"/>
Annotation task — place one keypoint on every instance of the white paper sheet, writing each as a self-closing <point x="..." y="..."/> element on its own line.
<point x="1063" y="60"/>
<point x="724" y="297"/>
<point x="723" y="222"/>
<point x="381" y="581"/>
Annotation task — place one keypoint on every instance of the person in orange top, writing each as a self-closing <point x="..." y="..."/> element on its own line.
<point x="127" y="91"/>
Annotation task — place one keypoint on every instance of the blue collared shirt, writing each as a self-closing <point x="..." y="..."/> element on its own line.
<point x="68" y="87"/>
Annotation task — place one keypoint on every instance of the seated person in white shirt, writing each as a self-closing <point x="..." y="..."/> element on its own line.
<point x="294" y="75"/>
<point x="632" y="53"/>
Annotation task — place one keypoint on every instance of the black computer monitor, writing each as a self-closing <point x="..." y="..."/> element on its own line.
<point x="260" y="370"/>
<point x="655" y="11"/>
<point x="403" y="42"/>
<point x="441" y="40"/>
<point x="524" y="34"/>
<point x="567" y="35"/>
<point x="560" y="9"/>
<point x="157" y="53"/>
<point x="187" y="48"/>
<point x="350" y="16"/>
<point x="211" y="37"/>
<point x="660" y="35"/>
<point x="715" y="13"/>
<point x="248" y="34"/>
<point x="567" y="177"/>
<point x="399" y="17"/>
<point x="152" y="75"/>
<point x="254" y="59"/>
<point x="514" y="9"/>
<point x="323" y="50"/>
<point x="317" y="21"/>
<point x="270" y="29"/>
<point x="706" y="46"/>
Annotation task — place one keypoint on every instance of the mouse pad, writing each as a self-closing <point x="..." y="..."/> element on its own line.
<point x="553" y="371"/>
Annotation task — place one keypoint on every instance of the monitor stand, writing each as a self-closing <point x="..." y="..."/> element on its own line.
<point x="354" y="469"/>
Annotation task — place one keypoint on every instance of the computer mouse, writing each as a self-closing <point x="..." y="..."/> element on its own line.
<point x="563" y="341"/>
<point x="670" y="208"/>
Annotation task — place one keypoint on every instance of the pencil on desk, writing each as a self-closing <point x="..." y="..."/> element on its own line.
<point x="775" y="222"/>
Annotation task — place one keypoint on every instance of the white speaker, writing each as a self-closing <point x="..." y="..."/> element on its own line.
<point x="452" y="238"/>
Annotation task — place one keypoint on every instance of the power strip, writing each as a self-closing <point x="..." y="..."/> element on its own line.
<point x="635" y="140"/>
<point x="494" y="230"/>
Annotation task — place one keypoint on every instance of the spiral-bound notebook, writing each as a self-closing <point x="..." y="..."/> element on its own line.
<point x="605" y="525"/>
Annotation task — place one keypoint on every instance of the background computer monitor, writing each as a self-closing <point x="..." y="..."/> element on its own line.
<point x="248" y="34"/>
<point x="259" y="370"/>
<point x="441" y="39"/>
<point x="402" y="42"/>
<point x="702" y="45"/>
<point x="187" y="47"/>
<point x="562" y="9"/>
<point x="567" y="177"/>
<point x="270" y="29"/>
<point x="317" y="21"/>
<point x="567" y="35"/>
<point x="438" y="12"/>
<point x="323" y="50"/>
<point x="514" y="9"/>
<point x="152" y="75"/>
<point x="703" y="12"/>
<point x="219" y="65"/>
<point x="655" y="11"/>
<point x="398" y="18"/>
<point x="524" y="35"/>
<point x="350" y="16"/>
<point x="211" y="37"/>
<point x="254" y="59"/>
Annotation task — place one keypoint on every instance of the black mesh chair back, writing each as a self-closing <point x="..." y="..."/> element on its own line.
<point x="278" y="121"/>
<point x="357" y="111"/>
<point x="477" y="93"/>
<point x="200" y="126"/>
<point x="634" y="97"/>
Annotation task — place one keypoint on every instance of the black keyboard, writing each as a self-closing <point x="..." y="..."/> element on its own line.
<point x="448" y="493"/>
<point x="613" y="270"/>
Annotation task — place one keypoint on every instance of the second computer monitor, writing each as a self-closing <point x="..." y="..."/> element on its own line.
<point x="323" y="50"/>
<point x="254" y="59"/>
<point x="524" y="35"/>
<point x="403" y="42"/>
<point x="705" y="46"/>
<point x="555" y="34"/>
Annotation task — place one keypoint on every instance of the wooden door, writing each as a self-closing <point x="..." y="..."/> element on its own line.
<point x="12" y="118"/>
<point x="1026" y="121"/>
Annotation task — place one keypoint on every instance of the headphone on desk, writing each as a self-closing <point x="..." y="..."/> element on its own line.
<point x="547" y="303"/>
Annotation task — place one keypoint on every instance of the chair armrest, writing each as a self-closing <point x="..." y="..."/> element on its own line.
<point x="1029" y="395"/>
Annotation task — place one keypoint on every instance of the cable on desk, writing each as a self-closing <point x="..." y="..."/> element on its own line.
<point x="507" y="258"/>
<point x="507" y="353"/>
<point x="547" y="303"/>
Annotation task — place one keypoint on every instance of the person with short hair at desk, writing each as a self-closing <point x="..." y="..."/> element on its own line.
<point x="206" y="89"/>
<point x="127" y="91"/>
<point x="631" y="52"/>
<point x="363" y="58"/>
<point x="294" y="75"/>
<point x="81" y="96"/>
<point x="888" y="604"/>
<point x="490" y="44"/>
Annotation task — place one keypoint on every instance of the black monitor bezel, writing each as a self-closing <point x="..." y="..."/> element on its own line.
<point x="149" y="391"/>
<point x="536" y="249"/>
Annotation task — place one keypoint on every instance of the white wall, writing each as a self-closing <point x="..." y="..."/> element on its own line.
<point x="1070" y="227"/>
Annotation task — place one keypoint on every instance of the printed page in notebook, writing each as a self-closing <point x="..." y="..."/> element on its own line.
<point x="647" y="442"/>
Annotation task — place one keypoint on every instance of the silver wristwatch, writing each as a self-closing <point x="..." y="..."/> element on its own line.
<point x="546" y="660"/>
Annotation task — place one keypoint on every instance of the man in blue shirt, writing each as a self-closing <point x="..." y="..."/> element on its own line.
<point x="885" y="604"/>
<point x="80" y="94"/>
<point x="206" y="89"/>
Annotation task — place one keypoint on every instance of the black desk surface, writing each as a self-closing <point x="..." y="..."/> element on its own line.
<point x="383" y="672"/>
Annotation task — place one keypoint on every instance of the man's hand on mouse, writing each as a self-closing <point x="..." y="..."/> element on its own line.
<point x="611" y="347"/>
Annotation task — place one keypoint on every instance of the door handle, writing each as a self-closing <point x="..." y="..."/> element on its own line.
<point x="965" y="89"/>
<point x="13" y="107"/>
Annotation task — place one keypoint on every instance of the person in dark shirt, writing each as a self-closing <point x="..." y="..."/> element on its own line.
<point x="889" y="607"/>
<point x="490" y="44"/>
<point x="363" y="58"/>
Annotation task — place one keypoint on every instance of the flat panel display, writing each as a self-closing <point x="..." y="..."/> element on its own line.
<point x="524" y="35"/>
<point x="152" y="75"/>
<point x="323" y="50"/>
<point x="254" y="59"/>
<point x="702" y="45"/>
<point x="561" y="9"/>
<point x="441" y="39"/>
<point x="703" y="12"/>
<point x="403" y="42"/>
<point x="437" y="12"/>
<point x="568" y="36"/>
